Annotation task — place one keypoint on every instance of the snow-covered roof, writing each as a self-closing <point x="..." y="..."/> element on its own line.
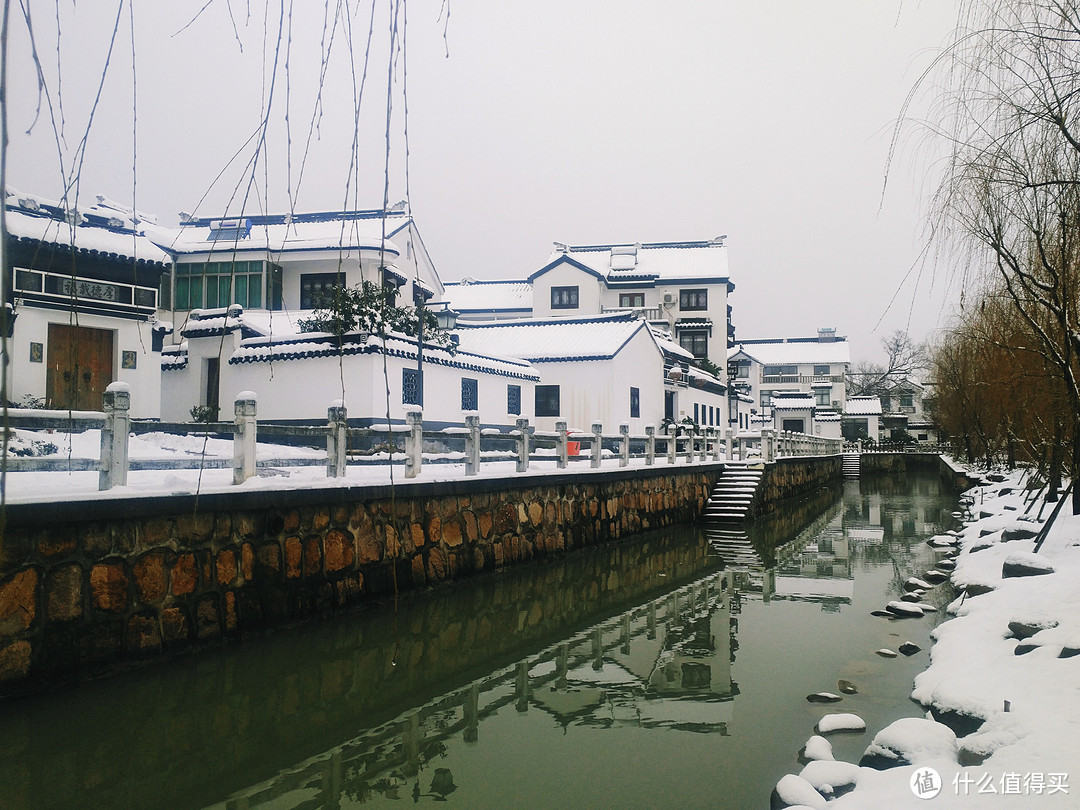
<point x="94" y="229"/>
<point x="469" y="296"/>
<point x="651" y="261"/>
<point x="317" y="344"/>
<point x="669" y="346"/>
<point x="277" y="233"/>
<point x="789" y="352"/>
<point x="862" y="406"/>
<point x="560" y="339"/>
<point x="275" y="336"/>
<point x="786" y="400"/>
<point x="827" y="416"/>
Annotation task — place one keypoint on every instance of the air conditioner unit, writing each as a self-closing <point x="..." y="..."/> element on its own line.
<point x="669" y="298"/>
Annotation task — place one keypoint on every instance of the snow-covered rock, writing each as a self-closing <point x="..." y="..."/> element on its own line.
<point x="830" y="777"/>
<point x="840" y="721"/>
<point x="817" y="747"/>
<point x="1025" y="565"/>
<point x="792" y="791"/>
<point x="910" y="741"/>
<point x="904" y="609"/>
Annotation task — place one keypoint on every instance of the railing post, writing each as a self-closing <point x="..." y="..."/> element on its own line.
<point x="624" y="445"/>
<point x="414" y="442"/>
<point x="671" y="444"/>
<point x="113" y="467"/>
<point x="729" y="444"/>
<point x="690" y="444"/>
<point x="522" y="445"/>
<point x="337" y="419"/>
<point x="703" y="450"/>
<point x="472" y="444"/>
<point x="650" y="445"/>
<point x="597" y="430"/>
<point x="244" y="409"/>
<point x="768" y="444"/>
<point x="716" y="444"/>
<point x="563" y="440"/>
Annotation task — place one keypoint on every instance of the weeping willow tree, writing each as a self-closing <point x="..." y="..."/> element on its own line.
<point x="1008" y="199"/>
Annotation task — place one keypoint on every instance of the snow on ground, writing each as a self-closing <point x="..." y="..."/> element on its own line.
<point x="277" y="467"/>
<point x="1024" y="681"/>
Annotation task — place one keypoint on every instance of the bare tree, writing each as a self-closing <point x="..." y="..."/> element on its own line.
<point x="1008" y="200"/>
<point x="905" y="360"/>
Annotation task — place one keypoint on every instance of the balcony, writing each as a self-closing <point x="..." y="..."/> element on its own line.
<point x="648" y="313"/>
<point x="803" y="378"/>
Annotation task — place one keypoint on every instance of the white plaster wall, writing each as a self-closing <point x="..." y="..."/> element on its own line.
<point x="600" y="389"/>
<point x="830" y="429"/>
<point x="305" y="388"/>
<point x="32" y="326"/>
<point x="566" y="275"/>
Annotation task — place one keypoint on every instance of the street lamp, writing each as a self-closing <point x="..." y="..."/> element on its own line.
<point x="446" y="318"/>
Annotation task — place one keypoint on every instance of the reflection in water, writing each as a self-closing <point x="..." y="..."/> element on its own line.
<point x="606" y="678"/>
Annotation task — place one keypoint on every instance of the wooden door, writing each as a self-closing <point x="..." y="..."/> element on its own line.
<point x="79" y="367"/>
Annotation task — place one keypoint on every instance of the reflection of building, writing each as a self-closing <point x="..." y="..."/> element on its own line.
<point x="665" y="664"/>
<point x="668" y="666"/>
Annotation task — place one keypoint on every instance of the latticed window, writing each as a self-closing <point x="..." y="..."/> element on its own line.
<point x="468" y="394"/>
<point x="219" y="284"/>
<point x="635" y="403"/>
<point x="513" y="399"/>
<point x="316" y="289"/>
<point x="695" y="342"/>
<point x="410" y="386"/>
<point x="564" y="297"/>
<point x="693" y="299"/>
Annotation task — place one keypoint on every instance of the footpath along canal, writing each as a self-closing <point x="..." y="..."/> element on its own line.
<point x="671" y="669"/>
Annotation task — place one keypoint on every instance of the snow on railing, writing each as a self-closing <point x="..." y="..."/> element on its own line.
<point x="525" y="444"/>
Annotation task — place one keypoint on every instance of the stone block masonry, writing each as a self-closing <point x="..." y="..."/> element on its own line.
<point x="91" y="587"/>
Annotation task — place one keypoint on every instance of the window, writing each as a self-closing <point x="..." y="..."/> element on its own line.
<point x="743" y="371"/>
<point x="410" y="386"/>
<point x="513" y="399"/>
<point x="886" y="403"/>
<point x="793" y="425"/>
<point x="219" y="284"/>
<point x="695" y="413"/>
<point x="27" y="281"/>
<point x="907" y="401"/>
<point x="823" y="396"/>
<point x="693" y="299"/>
<point x="547" y="400"/>
<point x="711" y="422"/>
<point x="821" y="371"/>
<point x="316" y="289"/>
<point x="635" y="403"/>
<point x="695" y="341"/>
<point x="468" y="394"/>
<point x="564" y="297"/>
<point x="631" y="299"/>
<point x="766" y="399"/>
<point x="780" y="371"/>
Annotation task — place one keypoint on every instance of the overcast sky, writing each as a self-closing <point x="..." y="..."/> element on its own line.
<point x="635" y="121"/>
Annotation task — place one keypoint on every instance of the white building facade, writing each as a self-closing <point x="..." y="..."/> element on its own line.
<point x="82" y="297"/>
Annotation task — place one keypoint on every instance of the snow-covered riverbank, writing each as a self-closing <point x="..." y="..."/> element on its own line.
<point x="1004" y="672"/>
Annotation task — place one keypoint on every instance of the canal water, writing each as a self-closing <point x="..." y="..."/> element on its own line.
<point x="670" y="670"/>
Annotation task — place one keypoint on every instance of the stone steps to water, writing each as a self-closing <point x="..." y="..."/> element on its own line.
<point x="851" y="465"/>
<point x="733" y="494"/>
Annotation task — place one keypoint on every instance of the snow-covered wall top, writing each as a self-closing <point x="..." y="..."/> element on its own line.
<point x="87" y="230"/>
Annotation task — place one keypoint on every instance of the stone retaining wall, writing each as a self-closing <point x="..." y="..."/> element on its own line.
<point x="788" y="478"/>
<point x="90" y="587"/>
<point x="306" y="689"/>
<point x="953" y="476"/>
